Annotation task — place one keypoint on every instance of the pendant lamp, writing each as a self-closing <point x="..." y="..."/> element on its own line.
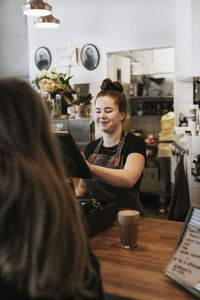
<point x="36" y="8"/>
<point x="47" y="22"/>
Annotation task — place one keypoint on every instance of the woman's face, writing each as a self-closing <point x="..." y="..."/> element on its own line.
<point x="107" y="115"/>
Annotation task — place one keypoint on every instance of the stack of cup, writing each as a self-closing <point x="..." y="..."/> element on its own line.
<point x="128" y="223"/>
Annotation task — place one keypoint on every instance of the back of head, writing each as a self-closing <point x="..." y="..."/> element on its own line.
<point x="23" y="119"/>
<point x="43" y="246"/>
<point x="114" y="89"/>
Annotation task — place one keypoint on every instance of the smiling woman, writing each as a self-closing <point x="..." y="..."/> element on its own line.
<point x="107" y="115"/>
<point x="117" y="159"/>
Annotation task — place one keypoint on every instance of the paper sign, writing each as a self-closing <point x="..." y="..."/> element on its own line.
<point x="185" y="262"/>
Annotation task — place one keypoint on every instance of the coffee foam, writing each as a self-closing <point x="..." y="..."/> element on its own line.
<point x="128" y="212"/>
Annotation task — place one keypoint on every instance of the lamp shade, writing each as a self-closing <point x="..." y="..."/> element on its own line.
<point x="47" y="22"/>
<point x="36" y="8"/>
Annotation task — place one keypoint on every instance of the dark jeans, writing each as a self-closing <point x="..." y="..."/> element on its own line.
<point x="165" y="174"/>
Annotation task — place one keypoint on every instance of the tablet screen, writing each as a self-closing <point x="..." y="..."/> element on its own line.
<point x="73" y="160"/>
<point x="184" y="265"/>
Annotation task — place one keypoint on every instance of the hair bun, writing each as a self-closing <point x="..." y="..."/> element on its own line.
<point x="108" y="84"/>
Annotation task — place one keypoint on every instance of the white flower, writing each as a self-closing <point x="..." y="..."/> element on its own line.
<point x="41" y="73"/>
<point x="47" y="85"/>
<point x="53" y="76"/>
<point x="71" y="49"/>
<point x="53" y="69"/>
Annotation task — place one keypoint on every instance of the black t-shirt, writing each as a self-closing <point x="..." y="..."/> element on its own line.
<point x="133" y="144"/>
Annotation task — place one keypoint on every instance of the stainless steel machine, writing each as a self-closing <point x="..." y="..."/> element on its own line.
<point x="81" y="129"/>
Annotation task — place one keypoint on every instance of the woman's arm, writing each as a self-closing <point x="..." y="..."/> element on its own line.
<point x="126" y="177"/>
<point x="81" y="189"/>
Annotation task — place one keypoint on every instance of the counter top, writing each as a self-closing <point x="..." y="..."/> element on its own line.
<point x="139" y="273"/>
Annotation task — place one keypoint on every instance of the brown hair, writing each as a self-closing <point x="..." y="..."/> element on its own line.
<point x="43" y="244"/>
<point x="114" y="89"/>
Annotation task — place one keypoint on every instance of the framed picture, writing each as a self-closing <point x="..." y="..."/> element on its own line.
<point x="42" y="58"/>
<point x="90" y="57"/>
<point x="64" y="58"/>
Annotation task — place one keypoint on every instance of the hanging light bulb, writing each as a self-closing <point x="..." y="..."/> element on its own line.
<point x="47" y="22"/>
<point x="36" y="8"/>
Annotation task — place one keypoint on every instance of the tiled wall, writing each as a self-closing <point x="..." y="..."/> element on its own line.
<point x="151" y="61"/>
<point x="147" y="124"/>
<point x="184" y="99"/>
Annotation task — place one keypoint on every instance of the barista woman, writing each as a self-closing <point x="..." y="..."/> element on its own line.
<point x="117" y="159"/>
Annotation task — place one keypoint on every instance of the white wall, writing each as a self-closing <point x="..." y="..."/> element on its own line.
<point x="13" y="39"/>
<point x="154" y="61"/>
<point x="116" y="62"/>
<point x="111" y="25"/>
<point x="187" y="58"/>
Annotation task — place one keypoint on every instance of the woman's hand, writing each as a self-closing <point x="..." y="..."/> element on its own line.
<point x="81" y="190"/>
<point x="83" y="155"/>
<point x="89" y="164"/>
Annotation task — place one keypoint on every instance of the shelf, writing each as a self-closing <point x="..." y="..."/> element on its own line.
<point x="150" y="99"/>
<point x="152" y="73"/>
<point x="188" y="77"/>
<point x="150" y="115"/>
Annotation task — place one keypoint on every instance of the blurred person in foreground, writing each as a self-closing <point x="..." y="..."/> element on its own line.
<point x="44" y="251"/>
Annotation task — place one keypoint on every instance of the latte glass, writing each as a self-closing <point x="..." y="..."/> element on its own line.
<point x="128" y="223"/>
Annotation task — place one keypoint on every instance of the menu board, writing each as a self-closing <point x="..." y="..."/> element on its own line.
<point x="184" y="265"/>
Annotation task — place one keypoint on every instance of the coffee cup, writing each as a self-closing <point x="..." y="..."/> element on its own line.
<point x="128" y="221"/>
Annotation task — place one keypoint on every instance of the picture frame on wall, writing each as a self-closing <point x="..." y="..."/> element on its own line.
<point x="65" y="59"/>
<point x="42" y="58"/>
<point x="90" y="57"/>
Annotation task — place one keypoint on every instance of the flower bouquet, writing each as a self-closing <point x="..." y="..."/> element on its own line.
<point x="57" y="85"/>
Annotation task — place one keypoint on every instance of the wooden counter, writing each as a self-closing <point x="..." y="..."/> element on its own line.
<point x="139" y="273"/>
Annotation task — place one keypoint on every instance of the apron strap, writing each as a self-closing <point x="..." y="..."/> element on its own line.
<point x="119" y="149"/>
<point x="96" y="151"/>
<point x="118" y="152"/>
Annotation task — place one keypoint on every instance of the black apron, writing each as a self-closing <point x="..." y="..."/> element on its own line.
<point x="180" y="202"/>
<point x="123" y="197"/>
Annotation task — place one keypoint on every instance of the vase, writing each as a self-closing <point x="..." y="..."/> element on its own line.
<point x="48" y="101"/>
<point x="71" y="111"/>
<point x="61" y="103"/>
<point x="81" y="111"/>
<point x="56" y="106"/>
